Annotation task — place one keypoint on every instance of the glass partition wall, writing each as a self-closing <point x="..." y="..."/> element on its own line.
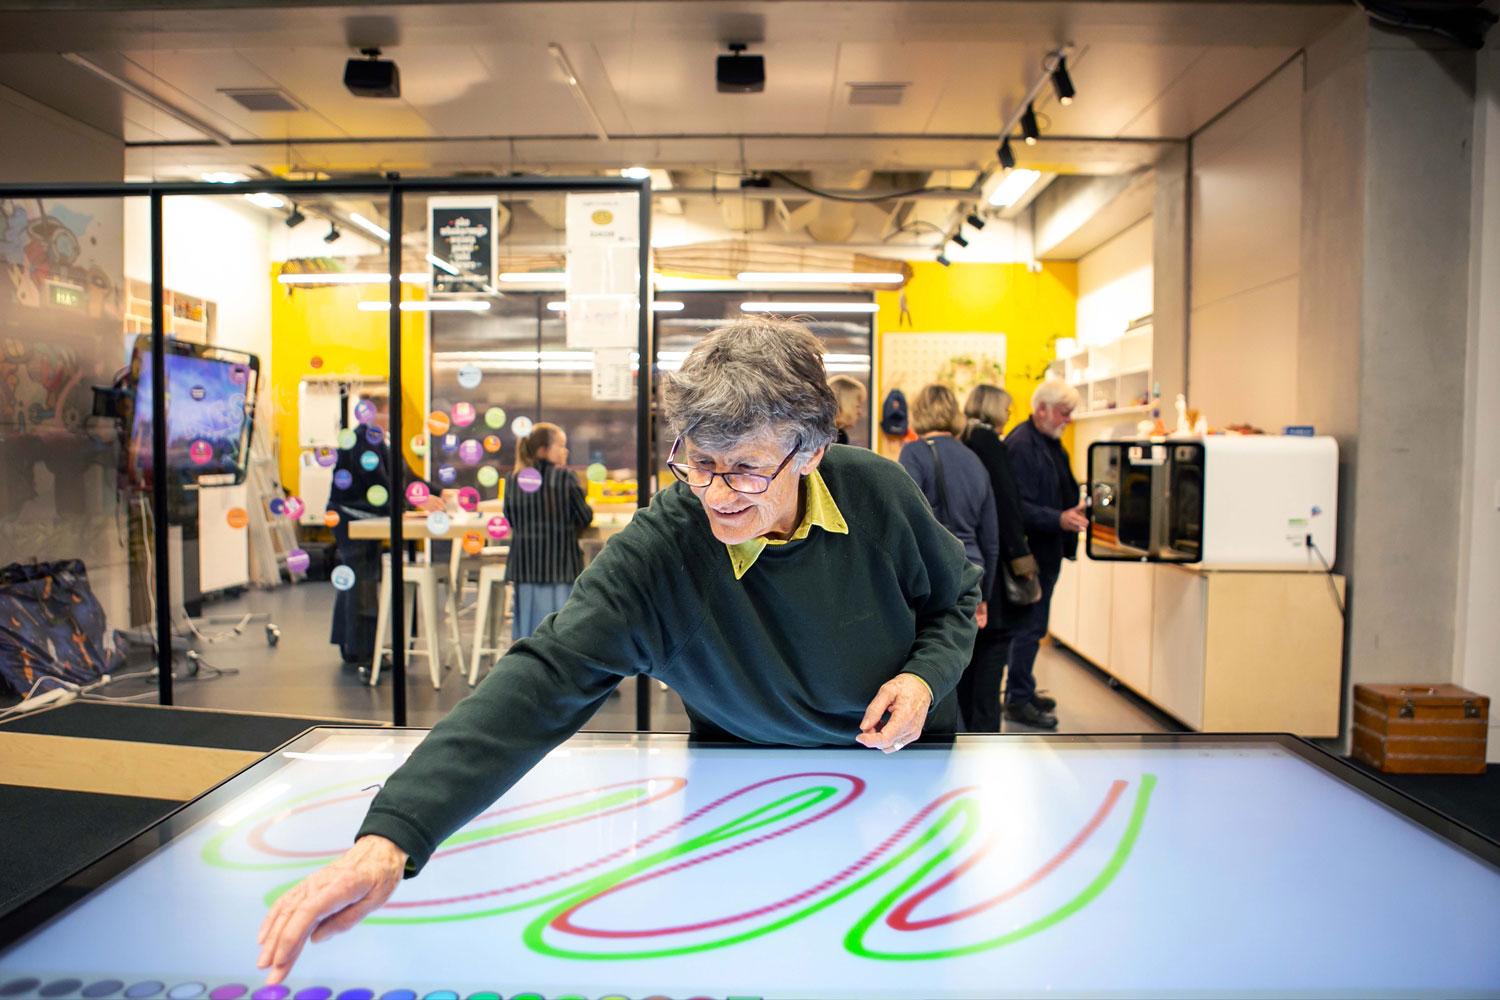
<point x="307" y="431"/>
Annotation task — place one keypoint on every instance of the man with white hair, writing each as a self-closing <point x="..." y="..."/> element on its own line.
<point x="1052" y="514"/>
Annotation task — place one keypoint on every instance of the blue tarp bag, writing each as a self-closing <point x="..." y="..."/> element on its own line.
<point x="51" y="624"/>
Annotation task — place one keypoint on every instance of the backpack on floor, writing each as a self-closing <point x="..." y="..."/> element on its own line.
<point x="51" y="624"/>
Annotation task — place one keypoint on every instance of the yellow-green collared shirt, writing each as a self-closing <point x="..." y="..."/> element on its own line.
<point x="821" y="511"/>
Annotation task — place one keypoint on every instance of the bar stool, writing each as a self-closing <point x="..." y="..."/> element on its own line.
<point x="487" y="632"/>
<point x="424" y="578"/>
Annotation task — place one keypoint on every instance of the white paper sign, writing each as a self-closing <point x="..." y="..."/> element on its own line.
<point x="612" y="375"/>
<point x="603" y="271"/>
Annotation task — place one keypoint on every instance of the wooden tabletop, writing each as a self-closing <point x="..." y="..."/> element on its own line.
<point x="414" y="527"/>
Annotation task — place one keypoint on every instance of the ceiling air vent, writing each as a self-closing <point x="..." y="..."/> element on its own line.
<point x="885" y="94"/>
<point x="262" y="98"/>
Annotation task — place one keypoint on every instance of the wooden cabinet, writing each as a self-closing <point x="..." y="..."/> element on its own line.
<point x="1062" y="619"/>
<point x="1221" y="651"/>
<point x="1130" y="625"/>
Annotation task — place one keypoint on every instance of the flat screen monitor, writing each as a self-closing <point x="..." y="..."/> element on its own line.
<point x="643" y="866"/>
<point x="210" y="405"/>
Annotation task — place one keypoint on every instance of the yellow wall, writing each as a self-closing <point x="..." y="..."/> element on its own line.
<point x="1032" y="310"/>
<point x="327" y="323"/>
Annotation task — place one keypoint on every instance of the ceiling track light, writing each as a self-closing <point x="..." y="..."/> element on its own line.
<point x="561" y="58"/>
<point x="1006" y="154"/>
<point x="1029" y="131"/>
<point x="295" y="218"/>
<point x="943" y="260"/>
<point x="1062" y="83"/>
<point x="960" y="239"/>
<point x="974" y="220"/>
<point x="333" y="233"/>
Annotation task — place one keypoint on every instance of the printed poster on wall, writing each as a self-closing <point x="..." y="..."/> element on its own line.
<point x="603" y="235"/>
<point x="461" y="233"/>
<point x="613" y="377"/>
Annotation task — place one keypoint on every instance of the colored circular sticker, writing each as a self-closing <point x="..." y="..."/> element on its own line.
<point x="488" y="475"/>
<point x="437" y="422"/>
<point x="521" y="426"/>
<point x="297" y="561"/>
<point x="469" y="376"/>
<point x="497" y="527"/>
<point x="277" y="505"/>
<point x="450" y="443"/>
<point x="597" y="473"/>
<point x="419" y="444"/>
<point x="438" y="523"/>
<point x="417" y="493"/>
<point x="201" y="452"/>
<point x="197" y="392"/>
<point x="463" y="414"/>
<point x="331" y="518"/>
<point x="374" y="434"/>
<point x="446" y="473"/>
<point x="368" y="460"/>
<point x="315" y="362"/>
<point x="364" y="411"/>
<point x="470" y="452"/>
<point x="377" y="495"/>
<point x="347" y="439"/>
<point x="529" y="480"/>
<point x="473" y="543"/>
<point x="494" y="418"/>
<point x="492" y="443"/>
<point x="239" y="374"/>
<point x="343" y="479"/>
<point x="294" y="507"/>
<point x="468" y="498"/>
<point x="325" y="456"/>
<point x="237" y="517"/>
<point x="342" y="578"/>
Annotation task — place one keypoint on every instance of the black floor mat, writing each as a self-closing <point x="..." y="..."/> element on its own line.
<point x="148" y="724"/>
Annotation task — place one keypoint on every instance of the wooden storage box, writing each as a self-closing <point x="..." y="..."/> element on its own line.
<point x="1417" y="729"/>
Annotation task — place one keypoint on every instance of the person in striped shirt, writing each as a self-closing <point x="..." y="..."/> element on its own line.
<point x="546" y="509"/>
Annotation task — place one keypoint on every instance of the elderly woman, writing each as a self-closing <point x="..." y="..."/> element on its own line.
<point x="791" y="594"/>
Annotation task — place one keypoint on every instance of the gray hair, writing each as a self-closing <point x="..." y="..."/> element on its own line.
<point x="1054" y="391"/>
<point x="988" y="403"/>
<point x="754" y="375"/>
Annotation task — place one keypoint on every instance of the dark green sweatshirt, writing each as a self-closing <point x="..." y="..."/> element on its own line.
<point x="790" y="655"/>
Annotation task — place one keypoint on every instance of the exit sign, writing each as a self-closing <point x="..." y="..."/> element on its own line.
<point x="67" y="296"/>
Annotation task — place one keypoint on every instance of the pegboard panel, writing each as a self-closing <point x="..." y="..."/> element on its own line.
<point x="910" y="360"/>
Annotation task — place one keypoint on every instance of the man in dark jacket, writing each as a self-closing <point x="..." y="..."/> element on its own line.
<point x="1053" y="515"/>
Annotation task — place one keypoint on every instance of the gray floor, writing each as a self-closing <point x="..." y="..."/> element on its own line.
<point x="303" y="675"/>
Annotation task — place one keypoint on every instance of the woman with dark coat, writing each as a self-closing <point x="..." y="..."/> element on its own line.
<point x="546" y="509"/>
<point x="988" y="410"/>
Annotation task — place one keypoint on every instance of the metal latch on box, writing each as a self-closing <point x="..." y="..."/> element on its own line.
<point x="1409" y="709"/>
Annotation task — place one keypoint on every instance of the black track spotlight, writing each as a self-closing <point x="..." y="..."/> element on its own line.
<point x="333" y="233"/>
<point x="960" y="239"/>
<point x="1062" y="83"/>
<point x="1028" y="126"/>
<point x="943" y="260"/>
<point x="1007" y="155"/>
<point x="295" y="219"/>
<point x="974" y="220"/>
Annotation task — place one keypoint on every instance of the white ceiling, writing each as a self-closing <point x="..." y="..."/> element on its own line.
<point x="481" y="93"/>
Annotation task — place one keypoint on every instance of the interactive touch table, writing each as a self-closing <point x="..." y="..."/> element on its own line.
<point x="642" y="866"/>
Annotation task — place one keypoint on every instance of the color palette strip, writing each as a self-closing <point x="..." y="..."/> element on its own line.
<point x="28" y="987"/>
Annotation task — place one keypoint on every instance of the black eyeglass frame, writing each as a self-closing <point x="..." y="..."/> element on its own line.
<point x="681" y="471"/>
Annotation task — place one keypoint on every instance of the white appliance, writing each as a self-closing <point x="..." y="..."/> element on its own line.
<point x="1220" y="502"/>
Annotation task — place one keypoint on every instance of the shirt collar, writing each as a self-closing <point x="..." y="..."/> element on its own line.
<point x="821" y="512"/>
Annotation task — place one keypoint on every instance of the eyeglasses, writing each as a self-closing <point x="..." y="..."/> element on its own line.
<point x="740" y="482"/>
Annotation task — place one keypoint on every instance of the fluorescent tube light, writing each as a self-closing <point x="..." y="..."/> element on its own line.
<point x="441" y="264"/>
<point x="368" y="226"/>
<point x="461" y="305"/>
<point x="264" y="199"/>
<point x="809" y="307"/>
<point x="561" y="305"/>
<point x="224" y="177"/>
<point x="351" y="278"/>
<point x="636" y="173"/>
<point x="1016" y="184"/>
<point x="819" y="277"/>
